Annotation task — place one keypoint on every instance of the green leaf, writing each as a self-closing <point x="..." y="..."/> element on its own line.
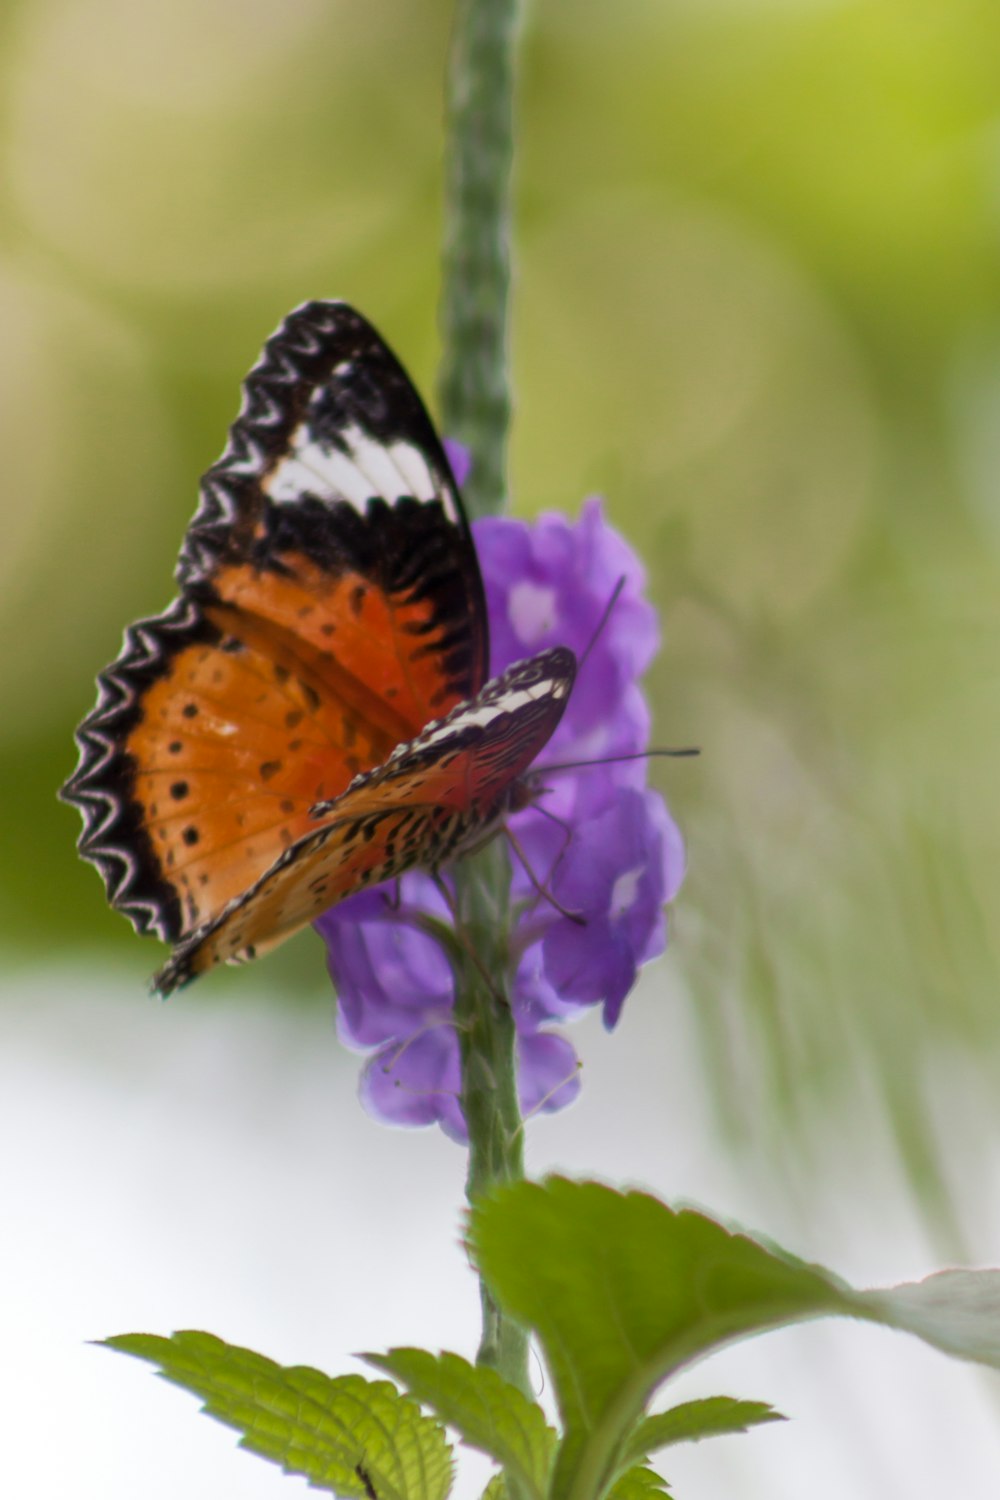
<point x="957" y="1311"/>
<point x="622" y="1291"/>
<point x="354" y="1437"/>
<point x="713" y="1417"/>
<point x="639" y="1483"/>
<point x="484" y="1409"/>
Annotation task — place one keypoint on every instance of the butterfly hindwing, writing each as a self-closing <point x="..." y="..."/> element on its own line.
<point x="434" y="798"/>
<point x="331" y="604"/>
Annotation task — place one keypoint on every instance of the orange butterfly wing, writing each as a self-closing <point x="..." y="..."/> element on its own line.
<point x="331" y="605"/>
<point x="434" y="799"/>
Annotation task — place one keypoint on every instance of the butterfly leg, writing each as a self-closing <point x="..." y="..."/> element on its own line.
<point x="395" y="901"/>
<point x="515" y="844"/>
<point x="567" y="837"/>
<point x="446" y="895"/>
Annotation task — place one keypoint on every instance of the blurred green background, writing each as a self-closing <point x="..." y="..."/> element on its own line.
<point x="757" y="306"/>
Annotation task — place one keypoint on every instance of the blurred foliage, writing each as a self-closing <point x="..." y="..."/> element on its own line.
<point x="757" y="305"/>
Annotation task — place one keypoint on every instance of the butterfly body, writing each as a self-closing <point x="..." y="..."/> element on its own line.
<point x="311" y="716"/>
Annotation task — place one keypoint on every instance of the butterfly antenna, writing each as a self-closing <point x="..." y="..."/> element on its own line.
<point x="605" y="617"/>
<point x="610" y="759"/>
<point x="614" y="760"/>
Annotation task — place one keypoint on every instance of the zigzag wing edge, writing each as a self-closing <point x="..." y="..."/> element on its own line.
<point x="114" y="837"/>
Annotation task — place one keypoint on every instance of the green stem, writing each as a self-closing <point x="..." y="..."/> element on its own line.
<point x="473" y="386"/>
<point x="488" y="1043"/>
<point x="475" y="409"/>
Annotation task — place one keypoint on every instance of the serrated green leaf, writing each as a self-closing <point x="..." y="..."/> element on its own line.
<point x="484" y="1409"/>
<point x="496" y="1489"/>
<point x="639" y="1483"/>
<point x="352" y="1436"/>
<point x="622" y="1291"/>
<point x="714" y="1416"/>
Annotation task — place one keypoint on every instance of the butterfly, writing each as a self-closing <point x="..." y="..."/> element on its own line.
<point x="311" y="715"/>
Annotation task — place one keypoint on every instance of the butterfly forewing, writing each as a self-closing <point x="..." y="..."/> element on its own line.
<point x="331" y="604"/>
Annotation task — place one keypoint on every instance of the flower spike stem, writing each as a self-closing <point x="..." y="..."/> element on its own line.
<point x="473" y="386"/>
<point x="487" y="1038"/>
<point x="475" y="409"/>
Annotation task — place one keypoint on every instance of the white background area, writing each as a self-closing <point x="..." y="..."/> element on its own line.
<point x="192" y="1165"/>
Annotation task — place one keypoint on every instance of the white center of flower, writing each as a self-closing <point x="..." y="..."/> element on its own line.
<point x="532" y="611"/>
<point x="624" y="891"/>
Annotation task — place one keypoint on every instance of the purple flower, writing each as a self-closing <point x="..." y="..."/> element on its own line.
<point x="609" y="852"/>
<point x="628" y="862"/>
<point x="396" y="993"/>
<point x="460" y="459"/>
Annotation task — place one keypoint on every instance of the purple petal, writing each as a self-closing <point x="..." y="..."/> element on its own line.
<point x="460" y="460"/>
<point x="624" y="862"/>
<point x="390" y="977"/>
<point x="417" y="1083"/>
<point x="548" y="1073"/>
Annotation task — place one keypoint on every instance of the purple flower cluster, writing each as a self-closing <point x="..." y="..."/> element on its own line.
<point x="546" y="584"/>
